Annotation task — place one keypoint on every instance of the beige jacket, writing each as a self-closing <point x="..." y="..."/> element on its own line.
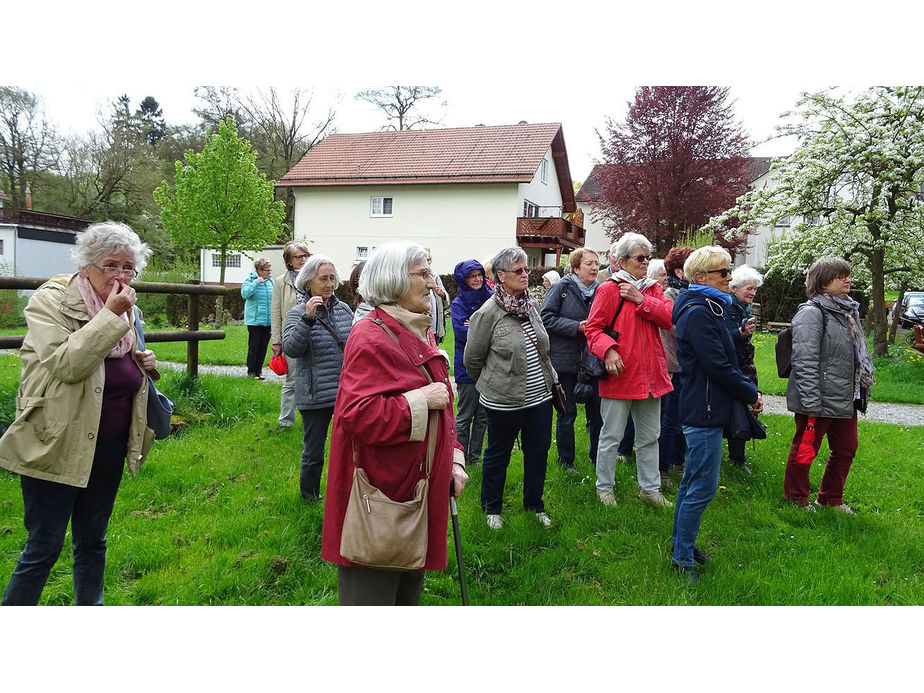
<point x="284" y="298"/>
<point x="61" y="389"/>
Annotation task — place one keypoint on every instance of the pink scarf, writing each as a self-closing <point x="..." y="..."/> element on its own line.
<point x="94" y="305"/>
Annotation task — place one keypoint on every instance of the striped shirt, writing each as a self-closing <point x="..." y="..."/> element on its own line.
<point x="536" y="390"/>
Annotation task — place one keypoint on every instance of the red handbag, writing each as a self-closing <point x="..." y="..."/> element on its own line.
<point x="279" y="365"/>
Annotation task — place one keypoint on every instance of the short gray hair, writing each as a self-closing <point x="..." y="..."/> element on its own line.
<point x="109" y="237"/>
<point x="654" y="266"/>
<point x="310" y="270"/>
<point x="629" y="243"/>
<point x="386" y="275"/>
<point x="505" y="258"/>
<point x="744" y="275"/>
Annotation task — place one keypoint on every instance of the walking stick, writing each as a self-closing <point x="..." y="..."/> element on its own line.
<point x="454" y="513"/>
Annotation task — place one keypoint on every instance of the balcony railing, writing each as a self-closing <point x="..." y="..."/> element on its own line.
<point x="549" y="230"/>
<point x="26" y="217"/>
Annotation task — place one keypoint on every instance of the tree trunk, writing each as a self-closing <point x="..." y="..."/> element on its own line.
<point x="898" y="302"/>
<point x="220" y="300"/>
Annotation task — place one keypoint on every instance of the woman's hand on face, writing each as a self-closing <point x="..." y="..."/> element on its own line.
<point x="121" y="298"/>
<point x="277" y="349"/>
<point x="459" y="477"/>
<point x="311" y="305"/>
<point x="630" y="293"/>
<point x="437" y="395"/>
<point x="613" y="362"/>
<point x="147" y="359"/>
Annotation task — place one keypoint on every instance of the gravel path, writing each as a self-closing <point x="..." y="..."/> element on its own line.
<point x="906" y="414"/>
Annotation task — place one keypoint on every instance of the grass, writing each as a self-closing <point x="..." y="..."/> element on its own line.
<point x="215" y="517"/>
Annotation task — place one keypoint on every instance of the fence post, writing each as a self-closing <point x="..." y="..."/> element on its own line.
<point x="192" y="347"/>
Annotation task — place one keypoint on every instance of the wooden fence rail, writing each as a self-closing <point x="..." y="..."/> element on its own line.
<point x="191" y="336"/>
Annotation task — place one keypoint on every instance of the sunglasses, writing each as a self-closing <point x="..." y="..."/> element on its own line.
<point x="642" y="258"/>
<point x="518" y="271"/>
<point x="724" y="272"/>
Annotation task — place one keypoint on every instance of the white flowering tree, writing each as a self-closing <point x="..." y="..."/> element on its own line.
<point x="856" y="181"/>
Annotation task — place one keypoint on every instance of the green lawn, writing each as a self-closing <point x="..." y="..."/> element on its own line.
<point x="215" y="517"/>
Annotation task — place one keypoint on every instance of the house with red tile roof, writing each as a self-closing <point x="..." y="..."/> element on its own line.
<point x="462" y="192"/>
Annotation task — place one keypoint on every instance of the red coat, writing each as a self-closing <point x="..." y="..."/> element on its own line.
<point x="645" y="372"/>
<point x="372" y="414"/>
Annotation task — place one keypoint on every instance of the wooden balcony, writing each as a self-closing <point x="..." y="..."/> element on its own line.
<point x="26" y="217"/>
<point x="553" y="233"/>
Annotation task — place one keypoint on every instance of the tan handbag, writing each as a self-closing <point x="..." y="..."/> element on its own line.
<point x="379" y="532"/>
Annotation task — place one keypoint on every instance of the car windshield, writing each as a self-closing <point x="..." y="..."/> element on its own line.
<point x="915" y="301"/>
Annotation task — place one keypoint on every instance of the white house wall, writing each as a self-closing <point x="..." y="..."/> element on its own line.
<point x="8" y="256"/>
<point x="594" y="235"/>
<point x="546" y="195"/>
<point x="457" y="222"/>
<point x="237" y="275"/>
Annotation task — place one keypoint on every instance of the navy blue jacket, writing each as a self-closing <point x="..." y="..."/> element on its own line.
<point x="563" y="308"/>
<point x="709" y="374"/>
<point x="462" y="308"/>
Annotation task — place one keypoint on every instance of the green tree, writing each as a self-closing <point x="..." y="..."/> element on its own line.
<point x="856" y="182"/>
<point x="220" y="199"/>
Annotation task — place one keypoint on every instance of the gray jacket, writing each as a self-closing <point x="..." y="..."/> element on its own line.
<point x="495" y="354"/>
<point x="320" y="358"/>
<point x="823" y="379"/>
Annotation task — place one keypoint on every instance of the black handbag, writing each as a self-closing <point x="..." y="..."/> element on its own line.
<point x="590" y="364"/>
<point x="160" y="409"/>
<point x="744" y="424"/>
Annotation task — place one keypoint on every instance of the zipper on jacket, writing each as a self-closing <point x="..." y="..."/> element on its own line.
<point x="708" y="399"/>
<point x="368" y="507"/>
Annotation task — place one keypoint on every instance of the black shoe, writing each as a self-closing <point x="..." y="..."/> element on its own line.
<point x="689" y="571"/>
<point x="743" y="466"/>
<point x="700" y="557"/>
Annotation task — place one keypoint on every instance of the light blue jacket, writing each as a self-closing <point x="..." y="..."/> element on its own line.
<point x="258" y="297"/>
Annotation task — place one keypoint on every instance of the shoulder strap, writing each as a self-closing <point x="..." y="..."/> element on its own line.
<point x="332" y="333"/>
<point x="545" y="359"/>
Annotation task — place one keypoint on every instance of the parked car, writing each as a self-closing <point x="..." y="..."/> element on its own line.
<point x="912" y="310"/>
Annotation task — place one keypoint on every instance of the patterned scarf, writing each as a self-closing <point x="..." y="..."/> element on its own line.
<point x="865" y="365"/>
<point x="94" y="305"/>
<point x="517" y="306"/>
<point x="640" y="284"/>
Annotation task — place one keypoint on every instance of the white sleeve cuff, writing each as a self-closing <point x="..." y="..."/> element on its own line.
<point x="419" y="412"/>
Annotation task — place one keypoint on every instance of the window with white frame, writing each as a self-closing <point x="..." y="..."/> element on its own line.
<point x="381" y="206"/>
<point x="544" y="171"/>
<point x="530" y="210"/>
<point x="362" y="252"/>
<point x="230" y="260"/>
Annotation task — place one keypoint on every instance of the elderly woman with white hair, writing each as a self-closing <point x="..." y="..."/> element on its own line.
<point x="507" y="355"/>
<point x="711" y="382"/>
<point x="394" y="379"/>
<point x="623" y="331"/>
<point x="657" y="272"/>
<point x="81" y="410"/>
<point x="745" y="281"/>
<point x="315" y="332"/>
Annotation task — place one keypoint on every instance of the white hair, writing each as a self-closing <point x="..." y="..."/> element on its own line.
<point x="503" y="261"/>
<point x="310" y="270"/>
<point x="655" y="266"/>
<point x="744" y="275"/>
<point x="630" y="243"/>
<point x="109" y="237"/>
<point x="386" y="275"/>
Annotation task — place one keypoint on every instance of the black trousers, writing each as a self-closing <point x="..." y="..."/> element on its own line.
<point x="371" y="587"/>
<point x="258" y="337"/>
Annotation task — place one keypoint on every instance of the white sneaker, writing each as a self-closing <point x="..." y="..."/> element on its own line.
<point x="495" y="522"/>
<point x="607" y="498"/>
<point x="544" y="519"/>
<point x="655" y="498"/>
<point x="843" y="507"/>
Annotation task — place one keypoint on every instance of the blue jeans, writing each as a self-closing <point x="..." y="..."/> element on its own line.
<point x="48" y="508"/>
<point x="699" y="484"/>
<point x="535" y="426"/>
<point x="671" y="443"/>
<point x="564" y="423"/>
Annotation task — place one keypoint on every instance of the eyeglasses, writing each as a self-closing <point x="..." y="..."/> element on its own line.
<point x="519" y="271"/>
<point x="112" y="270"/>
<point x="724" y="272"/>
<point x="423" y="274"/>
<point x="641" y="258"/>
<point x="302" y="257"/>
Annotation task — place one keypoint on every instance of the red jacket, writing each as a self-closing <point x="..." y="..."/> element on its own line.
<point x="645" y="372"/>
<point x="372" y="414"/>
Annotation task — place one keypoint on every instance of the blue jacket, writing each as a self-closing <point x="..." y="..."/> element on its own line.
<point x="463" y="307"/>
<point x="258" y="299"/>
<point x="709" y="374"/>
<point x="564" y="307"/>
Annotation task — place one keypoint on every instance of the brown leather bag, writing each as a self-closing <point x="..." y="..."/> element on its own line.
<point x="379" y="532"/>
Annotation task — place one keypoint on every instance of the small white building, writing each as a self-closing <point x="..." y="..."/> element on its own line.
<point x="238" y="266"/>
<point x="36" y="244"/>
<point x="461" y="192"/>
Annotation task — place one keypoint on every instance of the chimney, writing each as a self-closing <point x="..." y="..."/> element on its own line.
<point x="28" y="197"/>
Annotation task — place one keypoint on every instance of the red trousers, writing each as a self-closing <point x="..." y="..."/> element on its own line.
<point x="842" y="440"/>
